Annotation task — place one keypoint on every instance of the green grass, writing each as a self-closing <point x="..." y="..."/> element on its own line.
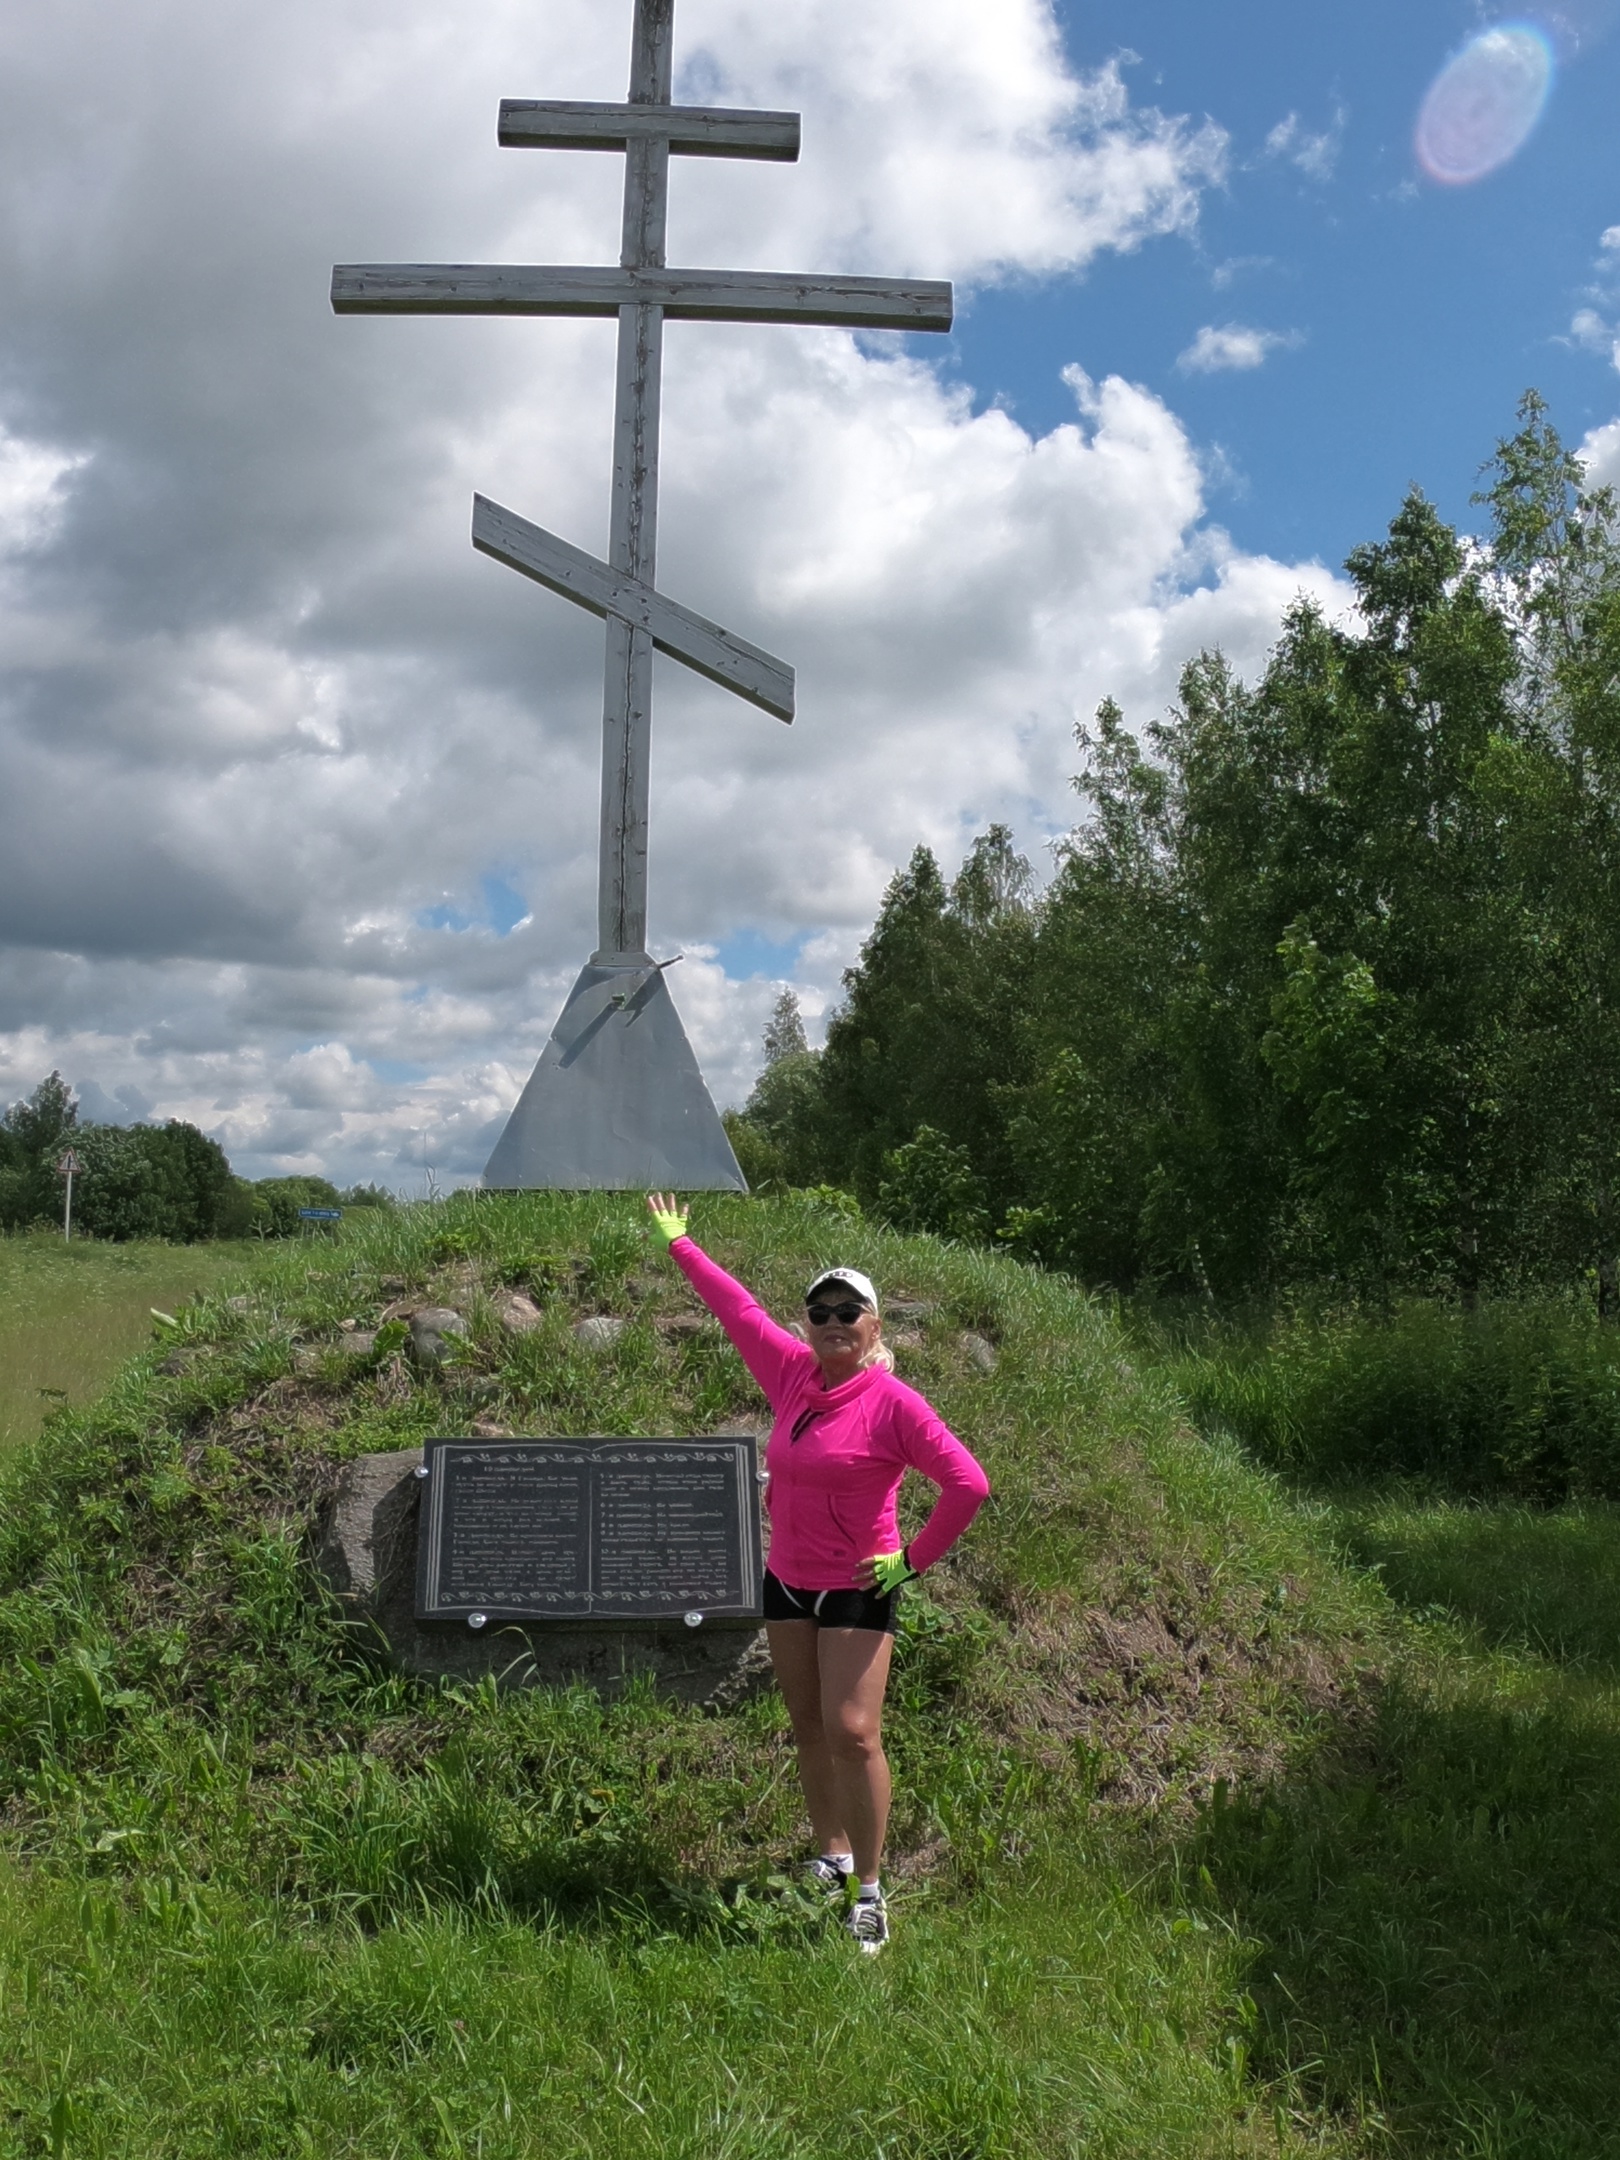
<point x="1235" y="1817"/>
<point x="267" y="1899"/>
<point x="1437" y="1894"/>
<point x="1440" y="1903"/>
<point x="70" y="1313"/>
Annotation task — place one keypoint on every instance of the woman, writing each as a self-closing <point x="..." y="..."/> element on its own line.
<point x="846" y="1432"/>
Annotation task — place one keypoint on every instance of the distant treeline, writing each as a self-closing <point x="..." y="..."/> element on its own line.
<point x="144" y="1181"/>
<point x="1326" y="987"/>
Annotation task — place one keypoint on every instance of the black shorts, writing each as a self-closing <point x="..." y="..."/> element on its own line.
<point x="832" y="1608"/>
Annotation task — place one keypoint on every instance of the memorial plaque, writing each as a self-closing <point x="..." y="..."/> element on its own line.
<point x="589" y="1530"/>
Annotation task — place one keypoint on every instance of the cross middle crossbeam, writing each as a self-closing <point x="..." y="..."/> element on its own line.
<point x="766" y="296"/>
<point x="690" y="130"/>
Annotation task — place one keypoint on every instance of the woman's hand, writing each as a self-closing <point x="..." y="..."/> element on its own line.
<point x="669" y="1217"/>
<point x="886" y="1571"/>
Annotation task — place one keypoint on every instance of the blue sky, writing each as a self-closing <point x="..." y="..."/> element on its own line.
<point x="1423" y="311"/>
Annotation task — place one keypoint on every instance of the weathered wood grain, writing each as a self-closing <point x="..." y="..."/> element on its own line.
<point x="627" y="678"/>
<point x="690" y="130"/>
<point x="700" y="644"/>
<point x="770" y="296"/>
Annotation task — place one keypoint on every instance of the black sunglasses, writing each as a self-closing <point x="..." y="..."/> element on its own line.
<point x="847" y="1314"/>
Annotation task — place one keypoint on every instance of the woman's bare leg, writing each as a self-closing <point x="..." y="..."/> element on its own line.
<point x="854" y="1674"/>
<point x="798" y="1675"/>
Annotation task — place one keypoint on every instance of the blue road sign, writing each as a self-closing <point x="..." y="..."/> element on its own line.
<point x="320" y="1214"/>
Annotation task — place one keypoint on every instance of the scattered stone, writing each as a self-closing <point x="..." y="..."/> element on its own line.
<point x="431" y="1331"/>
<point x="681" y="1327"/>
<point x="393" y="1286"/>
<point x="484" y="1428"/>
<point x="904" y="1309"/>
<point x="238" y="1304"/>
<point x="517" y="1311"/>
<point x="173" y="1365"/>
<point x="360" y="1344"/>
<point x="600" y="1332"/>
<point x="903" y="1338"/>
<point x="980" y="1351"/>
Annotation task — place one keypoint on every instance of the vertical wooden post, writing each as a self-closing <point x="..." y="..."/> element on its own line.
<point x="627" y="689"/>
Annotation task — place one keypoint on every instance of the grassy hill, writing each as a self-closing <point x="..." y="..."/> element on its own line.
<point x="1186" y="1807"/>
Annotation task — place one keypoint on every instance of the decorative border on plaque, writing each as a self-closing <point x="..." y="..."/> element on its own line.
<point x="437" y="1600"/>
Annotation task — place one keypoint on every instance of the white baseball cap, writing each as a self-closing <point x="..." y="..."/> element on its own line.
<point x="851" y="1278"/>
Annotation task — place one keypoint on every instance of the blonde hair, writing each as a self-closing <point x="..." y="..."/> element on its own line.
<point x="879" y="1354"/>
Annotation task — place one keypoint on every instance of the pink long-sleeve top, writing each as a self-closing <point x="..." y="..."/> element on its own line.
<point x="836" y="1455"/>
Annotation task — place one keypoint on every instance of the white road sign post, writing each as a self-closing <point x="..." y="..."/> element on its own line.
<point x="617" y="1099"/>
<point x="66" y="1167"/>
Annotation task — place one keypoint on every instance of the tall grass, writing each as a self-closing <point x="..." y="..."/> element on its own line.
<point x="1518" y="1399"/>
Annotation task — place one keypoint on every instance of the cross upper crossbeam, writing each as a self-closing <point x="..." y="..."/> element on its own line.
<point x="563" y="568"/>
<point x="690" y="130"/>
<point x="765" y="296"/>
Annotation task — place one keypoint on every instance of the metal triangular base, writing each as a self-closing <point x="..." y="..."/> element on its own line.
<point x="617" y="1102"/>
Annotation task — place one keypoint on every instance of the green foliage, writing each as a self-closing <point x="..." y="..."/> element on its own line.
<point x="151" y="1181"/>
<point x="272" y="1204"/>
<point x="33" y="1135"/>
<point x="1514" y="1398"/>
<point x="930" y="1185"/>
<point x="1326" y="987"/>
<point x="773" y="1136"/>
<point x="932" y="1026"/>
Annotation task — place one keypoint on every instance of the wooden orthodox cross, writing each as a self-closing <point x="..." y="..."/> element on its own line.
<point x="617" y="1099"/>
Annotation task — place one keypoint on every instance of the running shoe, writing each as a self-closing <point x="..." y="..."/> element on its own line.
<point x="827" y="1878"/>
<point x="868" y="1922"/>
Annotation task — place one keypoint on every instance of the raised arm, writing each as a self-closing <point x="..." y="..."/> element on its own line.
<point x="769" y="1351"/>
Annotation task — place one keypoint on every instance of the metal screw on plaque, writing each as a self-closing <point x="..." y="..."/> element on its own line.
<point x="694" y="1619"/>
<point x="478" y="1619"/>
<point x="421" y="1470"/>
<point x="762" y="1477"/>
<point x="617" y="1079"/>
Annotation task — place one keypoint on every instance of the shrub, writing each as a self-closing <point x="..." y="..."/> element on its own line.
<point x="150" y="1181"/>
<point x="931" y="1184"/>
<point x="1520" y="1399"/>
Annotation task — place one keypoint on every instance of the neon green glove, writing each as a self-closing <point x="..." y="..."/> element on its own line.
<point x="669" y="1217"/>
<point x="892" y="1569"/>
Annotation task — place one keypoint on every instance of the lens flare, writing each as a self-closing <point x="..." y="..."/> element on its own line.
<point x="1484" y="102"/>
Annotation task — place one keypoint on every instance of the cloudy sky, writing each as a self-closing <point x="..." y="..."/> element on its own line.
<point x="297" y="794"/>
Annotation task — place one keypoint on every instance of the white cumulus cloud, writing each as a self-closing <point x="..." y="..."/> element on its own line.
<point x="1221" y="347"/>
<point x="298" y="795"/>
